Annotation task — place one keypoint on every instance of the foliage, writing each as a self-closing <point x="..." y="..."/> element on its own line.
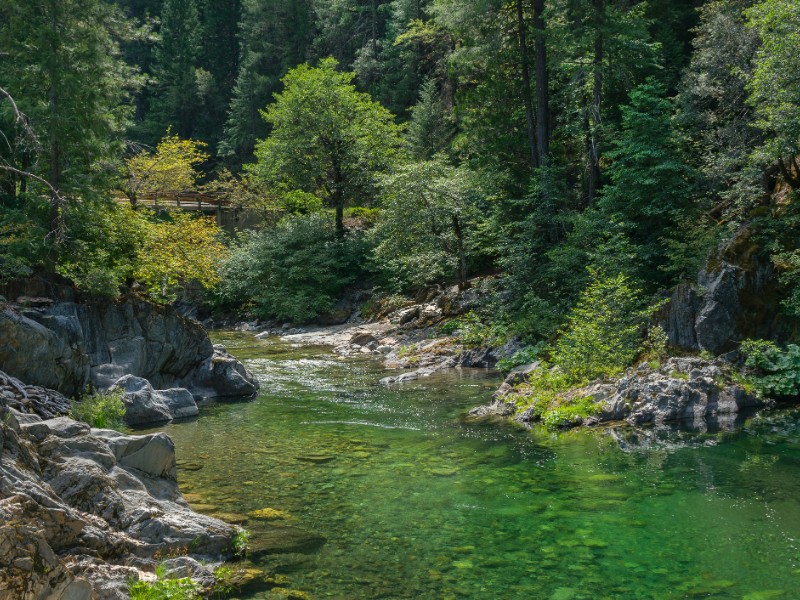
<point x="774" y="92"/>
<point x="656" y="344"/>
<point x="525" y="356"/>
<point x="569" y="413"/>
<point x="295" y="270"/>
<point x="63" y="62"/>
<point x="22" y="243"/>
<point x="101" y="410"/>
<point x="603" y="333"/>
<point x="777" y="370"/>
<point x="101" y="254"/>
<point x="650" y="185"/>
<point x="177" y="250"/>
<point x="472" y="332"/>
<point x="171" y="168"/>
<point x="115" y="243"/>
<point x="327" y="139"/>
<point x="165" y="589"/>
<point x="429" y="224"/>
<point x="240" y="543"/>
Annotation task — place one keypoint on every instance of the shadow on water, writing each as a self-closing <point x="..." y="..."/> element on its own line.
<point x="354" y="490"/>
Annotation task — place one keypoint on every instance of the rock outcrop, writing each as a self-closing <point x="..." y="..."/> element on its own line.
<point x="735" y="298"/>
<point x="83" y="511"/>
<point x="71" y="341"/>
<point x="683" y="389"/>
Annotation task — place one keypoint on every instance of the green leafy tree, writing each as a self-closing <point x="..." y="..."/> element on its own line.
<point x="428" y="224"/>
<point x="774" y="90"/>
<point x="328" y="139"/>
<point x="172" y="167"/>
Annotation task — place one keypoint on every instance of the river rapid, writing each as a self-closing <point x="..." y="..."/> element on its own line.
<point x="352" y="490"/>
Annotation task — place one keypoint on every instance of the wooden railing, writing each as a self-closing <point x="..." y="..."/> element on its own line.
<point x="207" y="201"/>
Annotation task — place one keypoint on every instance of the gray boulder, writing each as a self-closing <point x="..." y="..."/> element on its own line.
<point x="43" y="352"/>
<point x="67" y="344"/>
<point x="144" y="405"/>
<point x="82" y="512"/>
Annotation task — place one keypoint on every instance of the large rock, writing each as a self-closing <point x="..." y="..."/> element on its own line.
<point x="142" y="403"/>
<point x="73" y="341"/>
<point x="682" y="390"/>
<point x="43" y="352"/>
<point x="83" y="511"/>
<point x="735" y="298"/>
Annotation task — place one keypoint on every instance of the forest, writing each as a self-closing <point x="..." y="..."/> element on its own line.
<point x="588" y="155"/>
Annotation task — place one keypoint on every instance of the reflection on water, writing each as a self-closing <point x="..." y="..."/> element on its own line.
<point x="390" y="493"/>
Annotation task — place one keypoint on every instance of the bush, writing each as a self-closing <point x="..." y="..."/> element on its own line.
<point x="295" y="271"/>
<point x="473" y="333"/>
<point x="603" y="334"/>
<point x="525" y="356"/>
<point x="165" y="589"/>
<point x="104" y="411"/>
<point x="777" y="370"/>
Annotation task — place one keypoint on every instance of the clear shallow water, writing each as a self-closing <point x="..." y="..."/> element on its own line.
<point x="413" y="502"/>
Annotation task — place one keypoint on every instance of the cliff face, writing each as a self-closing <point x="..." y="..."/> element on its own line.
<point x="51" y="336"/>
<point x="736" y="297"/>
<point x="84" y="510"/>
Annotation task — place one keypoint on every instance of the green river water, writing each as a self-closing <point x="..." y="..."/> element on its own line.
<point x="415" y="502"/>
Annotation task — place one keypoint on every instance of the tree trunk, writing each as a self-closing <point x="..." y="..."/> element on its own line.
<point x="542" y="90"/>
<point x="462" y="255"/>
<point x="533" y="159"/>
<point x="597" y="99"/>
<point x="56" y="205"/>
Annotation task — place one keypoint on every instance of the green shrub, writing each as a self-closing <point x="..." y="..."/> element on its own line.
<point x="521" y="357"/>
<point x="473" y="333"/>
<point x="569" y="413"/>
<point x="104" y="411"/>
<point x="294" y="271"/>
<point x="240" y="543"/>
<point x="777" y="371"/>
<point x="603" y="334"/>
<point x="165" y="589"/>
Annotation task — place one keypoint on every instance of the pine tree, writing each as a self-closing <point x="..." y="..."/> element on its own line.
<point x="175" y="102"/>
<point x="62" y="66"/>
<point x="275" y="35"/>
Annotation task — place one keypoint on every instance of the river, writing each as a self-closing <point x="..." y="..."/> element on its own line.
<point x="390" y="493"/>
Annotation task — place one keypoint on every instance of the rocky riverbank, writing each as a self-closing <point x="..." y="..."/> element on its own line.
<point x="687" y="390"/>
<point x="406" y="334"/>
<point x="57" y="338"/>
<point x="84" y="511"/>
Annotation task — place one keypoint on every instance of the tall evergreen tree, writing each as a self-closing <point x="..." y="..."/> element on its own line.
<point x="63" y="67"/>
<point x="275" y="35"/>
<point x="175" y="102"/>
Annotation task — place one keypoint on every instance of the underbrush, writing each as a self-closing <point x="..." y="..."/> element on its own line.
<point x="775" y="371"/>
<point x="100" y="410"/>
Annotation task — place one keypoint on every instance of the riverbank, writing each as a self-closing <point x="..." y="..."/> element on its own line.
<point x="85" y="512"/>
